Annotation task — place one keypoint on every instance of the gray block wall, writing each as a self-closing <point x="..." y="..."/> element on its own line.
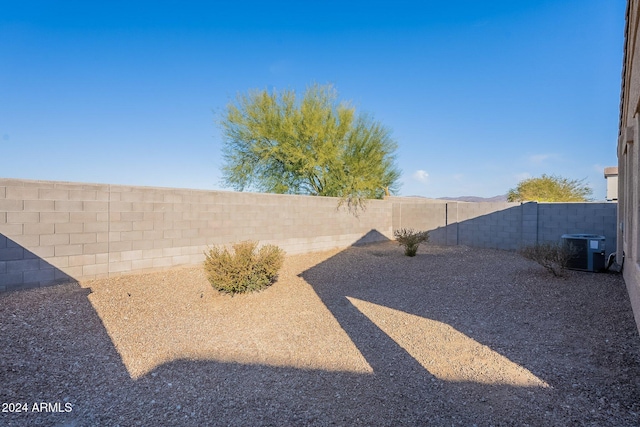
<point x="508" y="226"/>
<point x="54" y="231"/>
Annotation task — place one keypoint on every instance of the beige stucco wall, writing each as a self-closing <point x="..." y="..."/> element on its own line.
<point x="628" y="140"/>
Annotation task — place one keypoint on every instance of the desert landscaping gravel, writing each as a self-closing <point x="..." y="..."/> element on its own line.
<point x="359" y="337"/>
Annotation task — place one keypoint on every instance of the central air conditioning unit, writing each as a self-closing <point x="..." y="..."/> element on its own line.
<point x="588" y="251"/>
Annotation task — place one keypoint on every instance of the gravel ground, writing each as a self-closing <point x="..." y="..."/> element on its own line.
<point x="364" y="336"/>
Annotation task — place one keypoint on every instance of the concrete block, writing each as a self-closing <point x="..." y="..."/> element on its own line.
<point x="95" y="206"/>
<point x="53" y="194"/>
<point x="96" y="269"/>
<point x="69" y="273"/>
<point x="69" y="227"/>
<point x="83" y="217"/>
<point x="181" y="207"/>
<point x="191" y="250"/>
<point x="10" y="230"/>
<point x="119" y="267"/>
<point x="37" y="229"/>
<point x="9" y="205"/>
<point x="102" y="258"/>
<point x="173" y="216"/>
<point x="161" y="244"/>
<point x="62" y="250"/>
<point x="197" y="241"/>
<point x="162" y="262"/>
<point x="162" y="225"/>
<point x="39" y="252"/>
<point x="167" y="252"/>
<point x="120" y="246"/>
<point x="196" y="258"/>
<point x="8" y="281"/>
<point x="3" y="191"/>
<point x="3" y="217"/>
<point x="95" y="248"/>
<point x="131" y="255"/>
<point x="172" y="198"/>
<point x="95" y="227"/>
<point x="163" y="207"/>
<point x="25" y="241"/>
<point x="121" y="226"/>
<point x="54" y="239"/>
<point x="21" y="265"/>
<point x="115" y="256"/>
<point x="153" y="235"/>
<point x="121" y="207"/>
<point x="55" y="261"/>
<point x="153" y="216"/>
<point x="81" y="260"/>
<point x="141" y="264"/>
<point x="142" y="244"/>
<point x="131" y="216"/>
<point x="39" y="275"/>
<point x="21" y="193"/>
<point x="181" y="260"/>
<point x="142" y="207"/>
<point x="172" y="234"/>
<point x="130" y="195"/>
<point x="68" y="206"/>
<point x="70" y="185"/>
<point x="142" y="225"/>
<point x="22" y="217"/>
<point x="76" y="238"/>
<point x="190" y="233"/>
<point x="131" y="235"/>
<point x="83" y="194"/>
<point x="152" y="253"/>
<point x="54" y="217"/>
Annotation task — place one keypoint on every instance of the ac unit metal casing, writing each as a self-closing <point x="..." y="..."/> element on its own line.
<point x="589" y="251"/>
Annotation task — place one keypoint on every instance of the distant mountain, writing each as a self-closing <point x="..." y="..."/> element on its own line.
<point x="502" y="198"/>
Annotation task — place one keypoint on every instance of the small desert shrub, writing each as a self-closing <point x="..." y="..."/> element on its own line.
<point x="410" y="239"/>
<point x="552" y="256"/>
<point x="244" y="270"/>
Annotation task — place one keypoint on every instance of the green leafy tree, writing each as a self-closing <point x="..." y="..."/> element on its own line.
<point x="550" y="188"/>
<point x="278" y="143"/>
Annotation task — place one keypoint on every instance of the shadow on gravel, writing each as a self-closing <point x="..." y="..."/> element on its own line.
<point x="589" y="386"/>
<point x="88" y="385"/>
<point x="568" y="348"/>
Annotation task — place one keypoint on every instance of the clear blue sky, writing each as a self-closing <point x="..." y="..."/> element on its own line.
<point x="478" y="94"/>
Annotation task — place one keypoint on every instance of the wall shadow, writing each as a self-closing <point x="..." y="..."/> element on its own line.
<point x="498" y="230"/>
<point x="518" y="226"/>
<point x="22" y="269"/>
<point x="86" y="383"/>
<point x="530" y="324"/>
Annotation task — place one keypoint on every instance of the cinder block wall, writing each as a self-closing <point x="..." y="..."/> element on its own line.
<point x="556" y="219"/>
<point x="57" y="231"/>
<point x="508" y="226"/>
<point x="489" y="225"/>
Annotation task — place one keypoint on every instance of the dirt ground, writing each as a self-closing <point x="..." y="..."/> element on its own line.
<point x="363" y="336"/>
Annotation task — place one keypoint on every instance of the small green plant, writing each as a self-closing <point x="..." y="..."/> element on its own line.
<point x="245" y="269"/>
<point x="552" y="256"/>
<point x="410" y="239"/>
